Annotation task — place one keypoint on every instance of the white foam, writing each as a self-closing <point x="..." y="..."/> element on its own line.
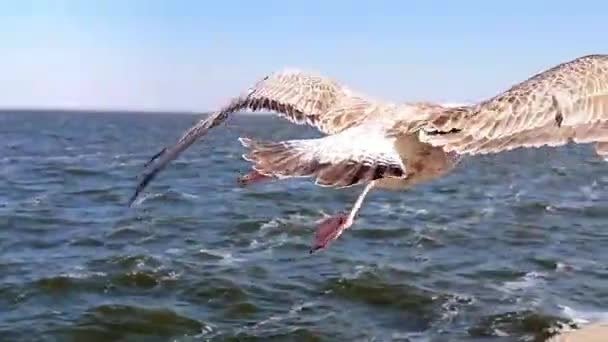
<point x="174" y="251"/>
<point x="83" y="275"/>
<point x="450" y="306"/>
<point x="584" y="317"/>
<point x="206" y="331"/>
<point x="356" y="272"/>
<point x="273" y="223"/>
<point x="226" y="257"/>
<point x="80" y="272"/>
<point x="411" y="336"/>
<point x="170" y="276"/>
<point x="294" y="311"/>
<point x="267" y="238"/>
<point x="529" y="280"/>
<point x="188" y="195"/>
<point x="268" y="244"/>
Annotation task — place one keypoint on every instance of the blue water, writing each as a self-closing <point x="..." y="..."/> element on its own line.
<point x="505" y="248"/>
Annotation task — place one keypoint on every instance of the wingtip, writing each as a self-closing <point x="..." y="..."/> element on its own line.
<point x="147" y="177"/>
<point x="134" y="197"/>
<point x="168" y="153"/>
<point x="132" y="200"/>
<point x="130" y="203"/>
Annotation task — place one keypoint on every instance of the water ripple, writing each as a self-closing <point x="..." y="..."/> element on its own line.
<point x="505" y="248"/>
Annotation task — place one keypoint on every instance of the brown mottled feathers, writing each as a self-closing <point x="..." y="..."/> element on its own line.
<point x="302" y="98"/>
<point x="306" y="98"/>
<point x="331" y="161"/>
<point x="567" y="103"/>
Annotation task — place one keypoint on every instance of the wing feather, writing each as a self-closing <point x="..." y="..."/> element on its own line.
<point x="567" y="103"/>
<point x="308" y="98"/>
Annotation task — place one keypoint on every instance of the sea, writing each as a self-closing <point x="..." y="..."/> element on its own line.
<point x="507" y="247"/>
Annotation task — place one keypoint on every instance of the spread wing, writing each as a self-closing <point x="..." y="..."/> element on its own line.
<point x="568" y="102"/>
<point x="302" y="98"/>
<point x="306" y="98"/>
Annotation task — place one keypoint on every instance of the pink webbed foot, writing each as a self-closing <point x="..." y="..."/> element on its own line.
<point x="252" y="177"/>
<point x="328" y="230"/>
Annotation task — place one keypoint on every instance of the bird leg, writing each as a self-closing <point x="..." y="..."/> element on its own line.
<point x="252" y="177"/>
<point x="332" y="227"/>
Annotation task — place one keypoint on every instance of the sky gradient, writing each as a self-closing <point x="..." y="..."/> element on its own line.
<point x="193" y="55"/>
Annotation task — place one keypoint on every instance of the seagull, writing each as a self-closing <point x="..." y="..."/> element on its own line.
<point x="381" y="145"/>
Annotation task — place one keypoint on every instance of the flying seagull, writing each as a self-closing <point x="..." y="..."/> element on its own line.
<point x="396" y="146"/>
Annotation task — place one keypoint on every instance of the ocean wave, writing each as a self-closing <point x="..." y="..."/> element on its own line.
<point x="119" y="321"/>
<point x="527" y="281"/>
<point x="523" y="325"/>
<point x="226" y="257"/>
<point x="581" y="316"/>
<point x="483" y="254"/>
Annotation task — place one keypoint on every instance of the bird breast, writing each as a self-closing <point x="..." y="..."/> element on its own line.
<point x="423" y="163"/>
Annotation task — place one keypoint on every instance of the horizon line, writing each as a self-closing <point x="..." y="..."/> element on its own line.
<point x="116" y="111"/>
<point x="139" y="111"/>
<point x="99" y="110"/>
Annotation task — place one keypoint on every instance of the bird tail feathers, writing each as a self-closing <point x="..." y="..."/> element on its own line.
<point x="331" y="165"/>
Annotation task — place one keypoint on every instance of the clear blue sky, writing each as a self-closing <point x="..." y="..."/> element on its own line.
<point x="193" y="55"/>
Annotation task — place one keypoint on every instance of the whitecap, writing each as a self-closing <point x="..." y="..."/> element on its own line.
<point x="81" y="273"/>
<point x="421" y="212"/>
<point x="529" y="280"/>
<point x="276" y="222"/>
<point x="188" y="195"/>
<point x="450" y="307"/>
<point x="269" y="243"/>
<point x="294" y="310"/>
<point x="226" y="257"/>
<point x="299" y="307"/>
<point x="206" y="331"/>
<point x="357" y="272"/>
<point x="563" y="267"/>
<point x="172" y="275"/>
<point x="583" y="317"/>
<point x="174" y="251"/>
<point x="411" y="336"/>
<point x="273" y="223"/>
